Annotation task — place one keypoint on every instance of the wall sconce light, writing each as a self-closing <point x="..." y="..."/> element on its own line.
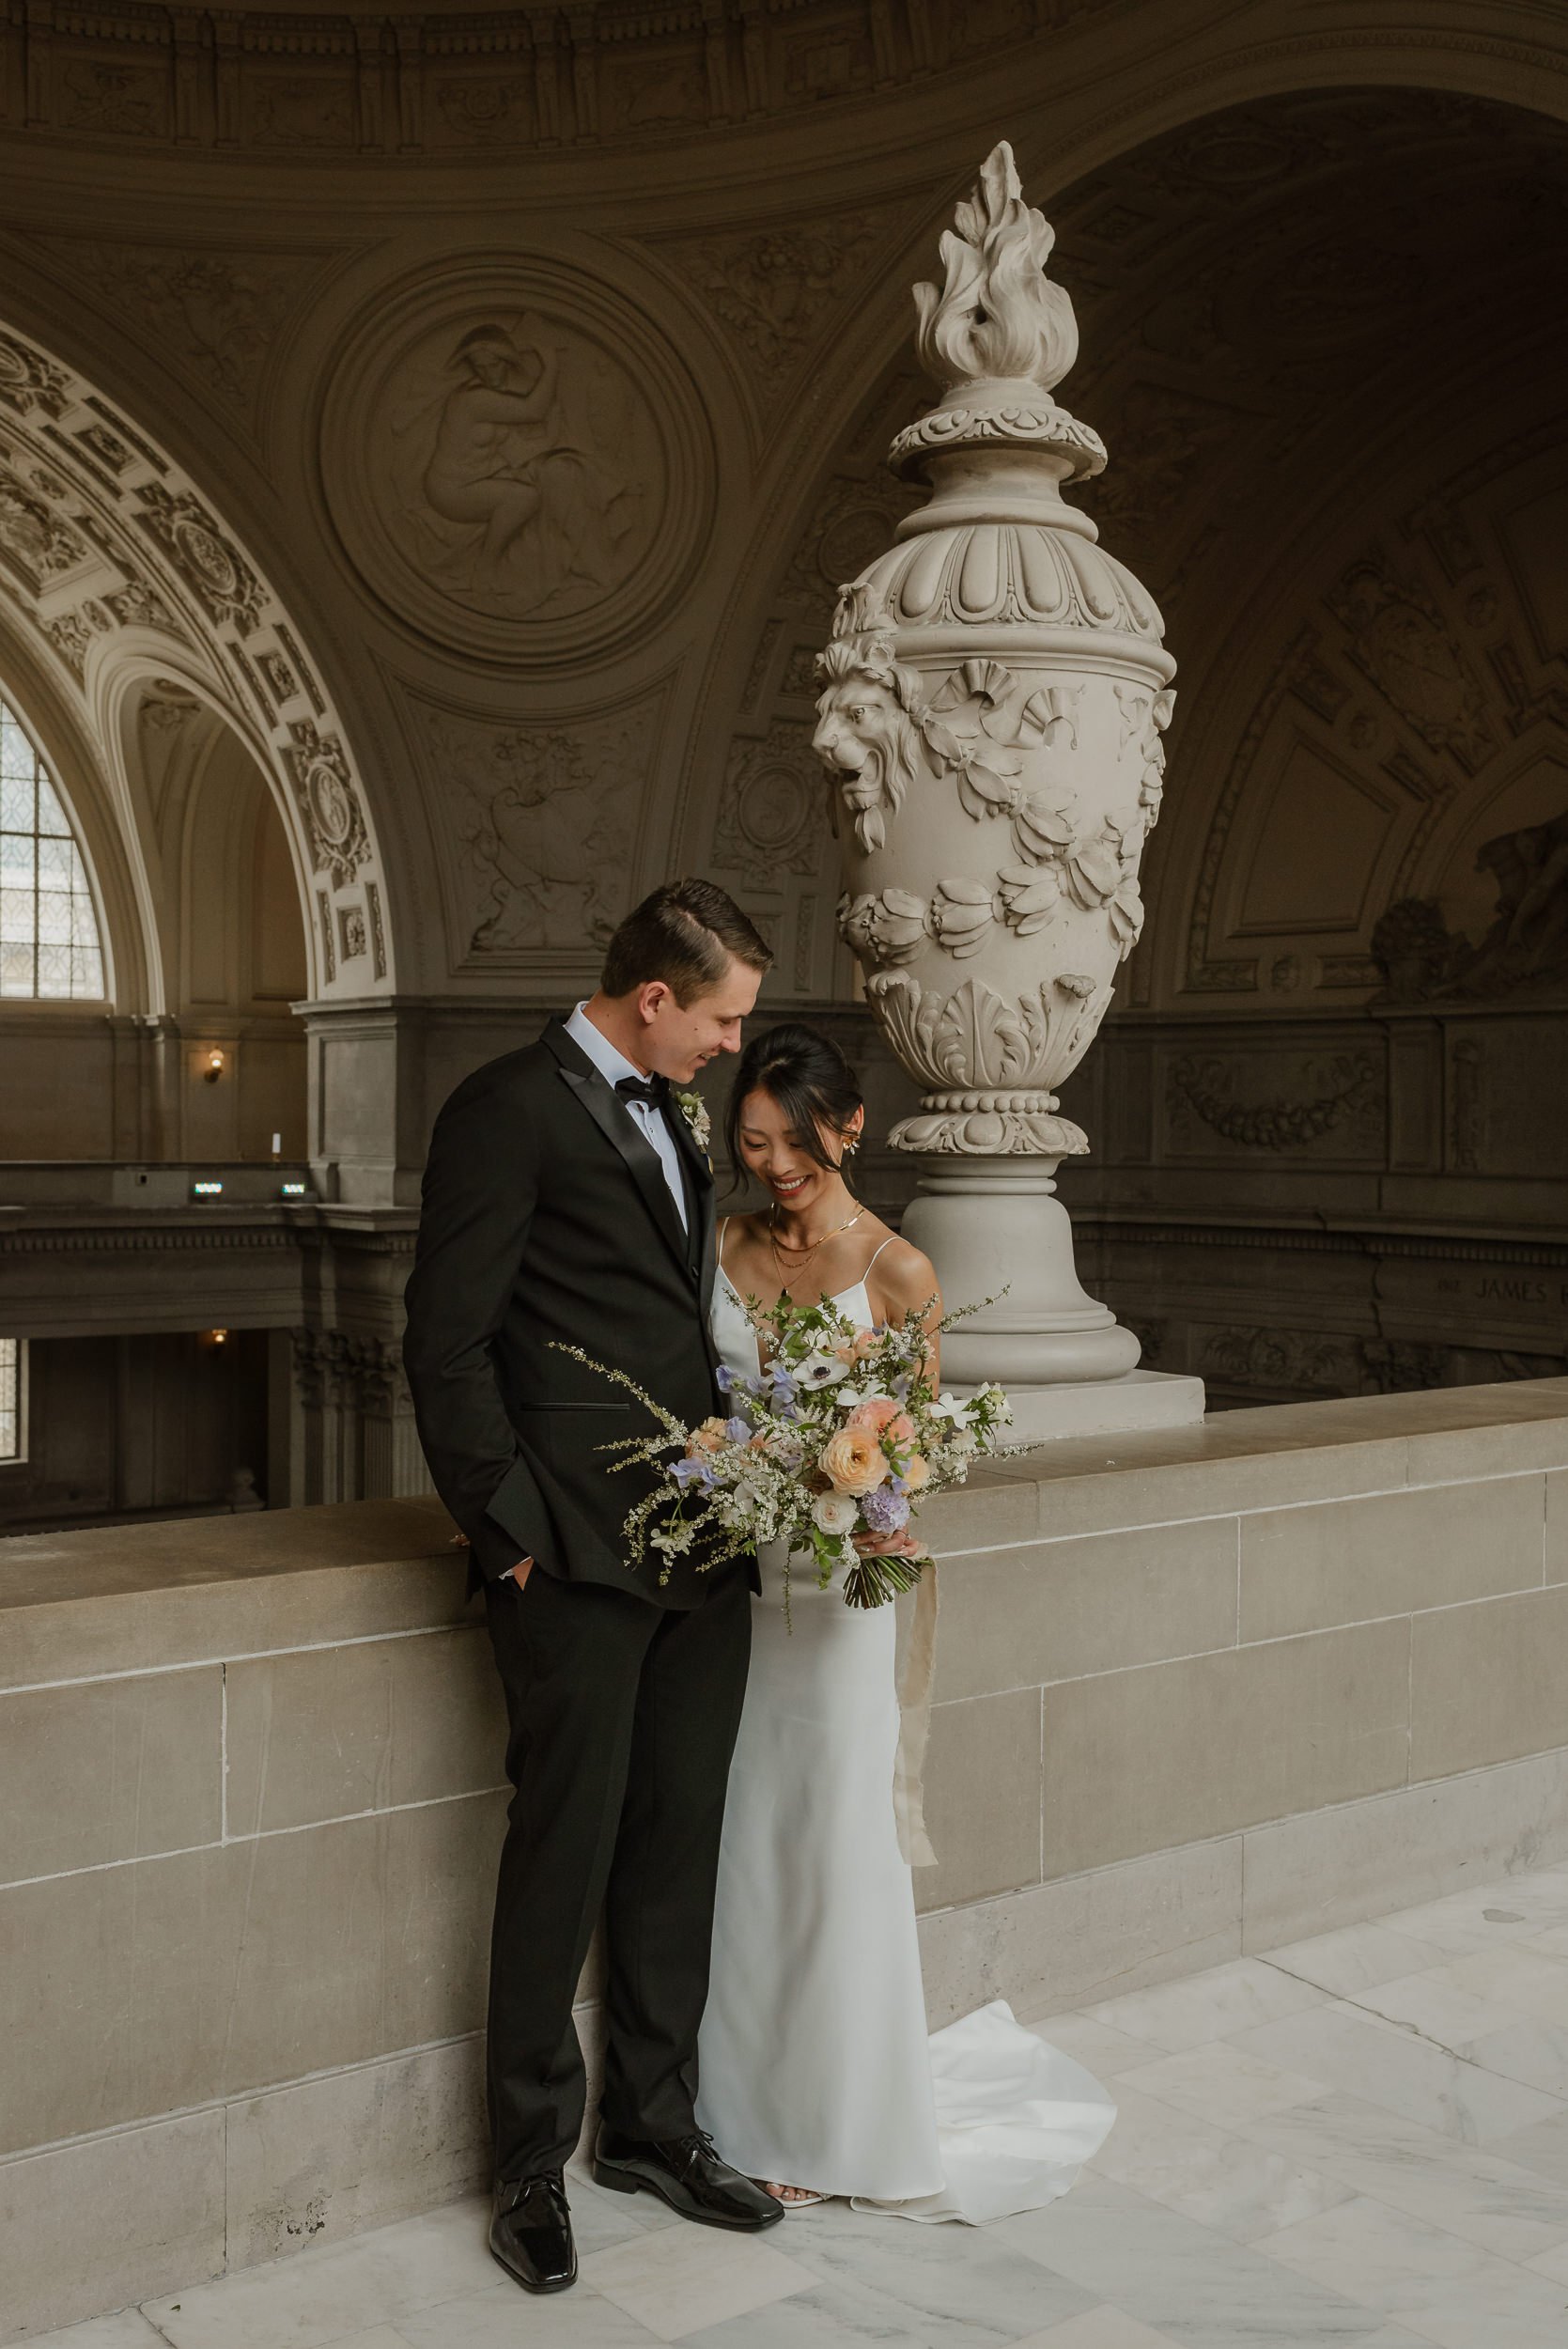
<point x="214" y="1337"/>
<point x="206" y="1190"/>
<point x="214" y="1067"/>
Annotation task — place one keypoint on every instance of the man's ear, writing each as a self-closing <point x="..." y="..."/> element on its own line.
<point x="651" y="998"/>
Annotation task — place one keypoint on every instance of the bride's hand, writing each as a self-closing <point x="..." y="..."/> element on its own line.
<point x="904" y="1544"/>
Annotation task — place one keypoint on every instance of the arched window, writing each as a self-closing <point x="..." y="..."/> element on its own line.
<point x="49" y="939"/>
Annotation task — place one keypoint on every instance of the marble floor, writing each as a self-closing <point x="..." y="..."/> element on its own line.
<point x="1361" y="2138"/>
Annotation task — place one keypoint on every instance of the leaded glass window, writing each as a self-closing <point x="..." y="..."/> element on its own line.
<point x="49" y="938"/>
<point x="11" y="1362"/>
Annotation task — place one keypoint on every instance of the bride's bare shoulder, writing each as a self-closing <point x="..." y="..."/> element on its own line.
<point x="904" y="1275"/>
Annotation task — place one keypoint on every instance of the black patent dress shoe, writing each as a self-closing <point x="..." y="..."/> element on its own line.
<point x="531" y="2232"/>
<point x="688" y="2175"/>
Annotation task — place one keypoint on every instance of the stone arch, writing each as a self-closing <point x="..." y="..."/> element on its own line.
<point x="119" y="568"/>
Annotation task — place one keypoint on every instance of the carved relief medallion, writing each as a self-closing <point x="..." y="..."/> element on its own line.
<point x="333" y="823"/>
<point x="517" y="462"/>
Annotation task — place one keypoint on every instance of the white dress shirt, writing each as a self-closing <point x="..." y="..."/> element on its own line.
<point x="613" y="1065"/>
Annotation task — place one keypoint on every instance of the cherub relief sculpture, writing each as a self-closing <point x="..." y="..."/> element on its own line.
<point x="520" y="478"/>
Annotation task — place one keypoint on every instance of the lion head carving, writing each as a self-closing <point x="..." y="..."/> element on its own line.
<point x="868" y="732"/>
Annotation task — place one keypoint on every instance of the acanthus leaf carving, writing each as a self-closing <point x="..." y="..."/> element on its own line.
<point x="983" y="1059"/>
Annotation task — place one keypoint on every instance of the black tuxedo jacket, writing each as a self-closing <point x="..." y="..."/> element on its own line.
<point x="547" y="1215"/>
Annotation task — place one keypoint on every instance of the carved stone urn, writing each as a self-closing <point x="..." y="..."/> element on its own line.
<point x="994" y="697"/>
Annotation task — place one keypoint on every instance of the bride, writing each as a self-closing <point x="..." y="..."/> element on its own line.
<point x="815" y="2072"/>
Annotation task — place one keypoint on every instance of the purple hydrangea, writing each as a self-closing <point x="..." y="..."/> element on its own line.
<point x="884" y="1510"/>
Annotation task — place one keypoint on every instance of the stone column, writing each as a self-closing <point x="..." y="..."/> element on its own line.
<point x="994" y="697"/>
<point x="349" y="1431"/>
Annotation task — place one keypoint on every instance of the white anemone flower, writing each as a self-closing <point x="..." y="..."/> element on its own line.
<point x="820" y="1370"/>
<point x="952" y="1407"/>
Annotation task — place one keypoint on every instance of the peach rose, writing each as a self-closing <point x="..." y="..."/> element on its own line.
<point x="853" y="1459"/>
<point x="915" y="1471"/>
<point x="901" y="1429"/>
<point x="875" y="1414"/>
<point x="708" y="1438"/>
<point x="866" y="1342"/>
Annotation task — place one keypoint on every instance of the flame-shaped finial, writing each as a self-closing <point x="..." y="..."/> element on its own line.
<point x="999" y="315"/>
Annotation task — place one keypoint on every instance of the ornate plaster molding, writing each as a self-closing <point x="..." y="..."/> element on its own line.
<point x="539" y="836"/>
<point x="362" y="87"/>
<point x="111" y="555"/>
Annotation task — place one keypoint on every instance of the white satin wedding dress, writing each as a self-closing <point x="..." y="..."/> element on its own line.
<point x="815" y="2067"/>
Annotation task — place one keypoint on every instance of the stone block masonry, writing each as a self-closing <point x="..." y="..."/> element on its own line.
<point x="1200" y="1691"/>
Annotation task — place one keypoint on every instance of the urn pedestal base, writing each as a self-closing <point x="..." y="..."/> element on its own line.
<point x="1103" y="1406"/>
<point x="994" y="1228"/>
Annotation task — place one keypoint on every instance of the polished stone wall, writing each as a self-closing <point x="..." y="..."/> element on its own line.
<point x="1199" y="1692"/>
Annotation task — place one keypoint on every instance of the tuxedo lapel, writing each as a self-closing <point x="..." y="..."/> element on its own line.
<point x="641" y="1160"/>
<point x="699" y="1192"/>
<point x="620" y="1130"/>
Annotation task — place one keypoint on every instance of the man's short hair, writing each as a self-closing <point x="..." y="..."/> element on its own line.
<point x="686" y="933"/>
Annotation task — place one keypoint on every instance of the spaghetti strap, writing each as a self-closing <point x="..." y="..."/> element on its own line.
<point x="887" y="1244"/>
<point x="719" y="1246"/>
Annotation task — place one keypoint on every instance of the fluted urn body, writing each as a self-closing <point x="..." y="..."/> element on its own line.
<point x="993" y="701"/>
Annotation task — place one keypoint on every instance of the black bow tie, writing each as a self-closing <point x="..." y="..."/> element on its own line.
<point x="649" y="1089"/>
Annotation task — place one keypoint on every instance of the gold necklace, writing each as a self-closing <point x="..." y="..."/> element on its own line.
<point x="809" y="1254"/>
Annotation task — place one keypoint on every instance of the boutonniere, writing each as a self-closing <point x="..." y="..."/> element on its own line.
<point x="694" y="1110"/>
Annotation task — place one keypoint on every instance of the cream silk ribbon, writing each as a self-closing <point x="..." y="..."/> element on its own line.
<point x="914" y="1729"/>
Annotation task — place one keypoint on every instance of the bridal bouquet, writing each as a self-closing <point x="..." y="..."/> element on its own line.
<point x="826" y="1452"/>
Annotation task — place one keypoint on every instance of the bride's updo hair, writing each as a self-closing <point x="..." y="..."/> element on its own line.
<point x="809" y="1078"/>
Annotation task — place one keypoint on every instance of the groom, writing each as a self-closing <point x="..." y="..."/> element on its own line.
<point x="566" y="1198"/>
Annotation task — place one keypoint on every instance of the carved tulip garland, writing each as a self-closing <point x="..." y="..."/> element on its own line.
<point x="992" y="705"/>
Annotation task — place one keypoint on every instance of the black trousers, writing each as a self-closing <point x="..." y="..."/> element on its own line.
<point x="623" y="1718"/>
